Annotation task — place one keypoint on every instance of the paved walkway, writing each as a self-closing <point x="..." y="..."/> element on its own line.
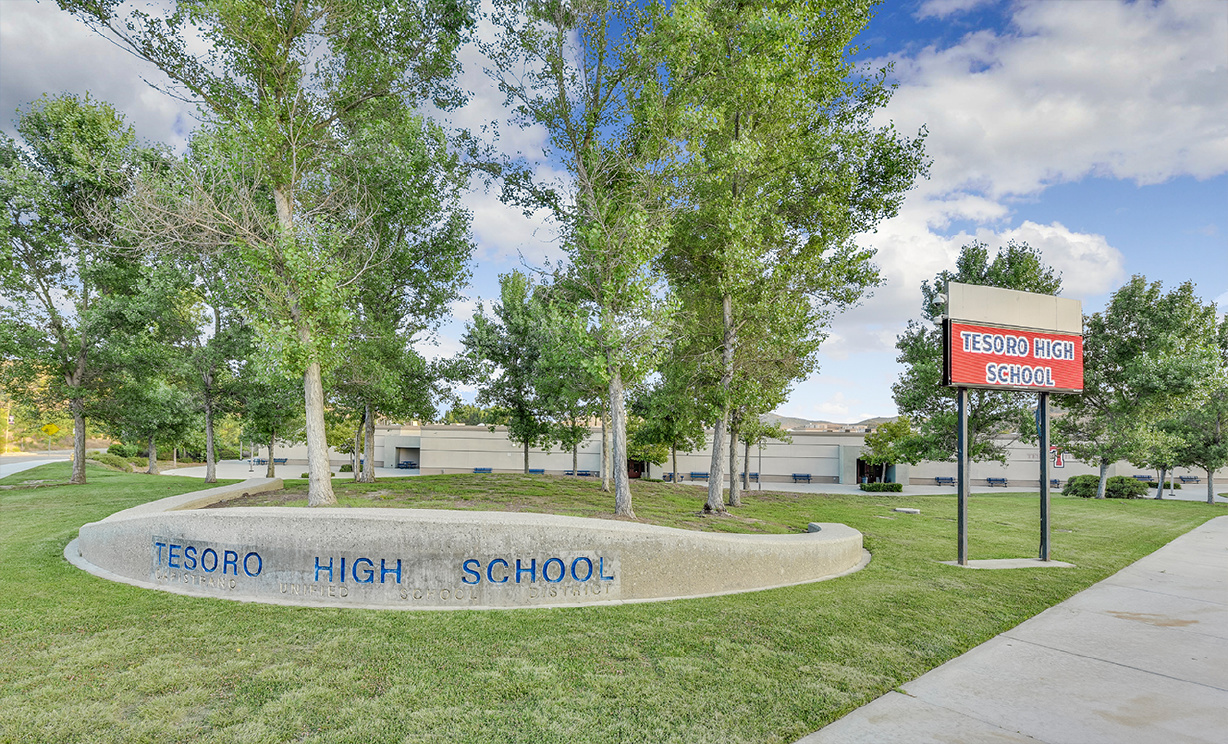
<point x="10" y="464"/>
<point x="1139" y="657"/>
<point x="241" y="469"/>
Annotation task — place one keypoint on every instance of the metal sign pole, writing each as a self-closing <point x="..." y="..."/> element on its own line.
<point x="961" y="456"/>
<point x="1042" y="432"/>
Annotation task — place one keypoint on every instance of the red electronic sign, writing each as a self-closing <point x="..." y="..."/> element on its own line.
<point x="981" y="356"/>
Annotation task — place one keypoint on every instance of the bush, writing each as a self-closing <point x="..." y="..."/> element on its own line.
<point x="1117" y="487"/>
<point x="123" y="450"/>
<point x="894" y="487"/>
<point x="346" y="468"/>
<point x="1168" y="485"/>
<point x="110" y="460"/>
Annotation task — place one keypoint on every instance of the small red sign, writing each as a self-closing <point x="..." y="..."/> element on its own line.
<point x="982" y="356"/>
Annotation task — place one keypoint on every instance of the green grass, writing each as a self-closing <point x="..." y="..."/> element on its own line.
<point x="87" y="660"/>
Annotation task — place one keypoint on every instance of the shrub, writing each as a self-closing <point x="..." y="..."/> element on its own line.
<point x="1117" y="487"/>
<point x="346" y="468"/>
<point x="1168" y="485"/>
<point x="1083" y="486"/>
<point x="1124" y="487"/>
<point x="894" y="487"/>
<point x="123" y="450"/>
<point x="111" y="460"/>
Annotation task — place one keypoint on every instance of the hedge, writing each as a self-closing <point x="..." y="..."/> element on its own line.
<point x="895" y="487"/>
<point x="1117" y="487"/>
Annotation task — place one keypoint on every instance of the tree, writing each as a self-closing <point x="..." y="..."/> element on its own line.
<point x="295" y="93"/>
<point x="506" y="349"/>
<point x="568" y="382"/>
<point x="884" y="445"/>
<point x="62" y="285"/>
<point x="670" y="411"/>
<point x="919" y="393"/>
<point x="779" y="166"/>
<point x="572" y="69"/>
<point x="1147" y="353"/>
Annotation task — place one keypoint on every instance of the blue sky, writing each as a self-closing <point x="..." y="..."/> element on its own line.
<point x="1094" y="130"/>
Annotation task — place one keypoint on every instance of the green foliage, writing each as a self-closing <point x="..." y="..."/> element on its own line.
<point x="1147" y="354"/>
<point x="123" y="450"/>
<point x="889" y="444"/>
<point x="1117" y="487"/>
<point x="889" y="487"/>
<point x="114" y="459"/>
<point x="64" y="275"/>
<point x="919" y="393"/>
<point x="471" y="415"/>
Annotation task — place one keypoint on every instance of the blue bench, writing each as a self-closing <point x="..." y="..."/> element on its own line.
<point x="260" y="461"/>
<point x="944" y="480"/>
<point x="407" y="465"/>
<point x="581" y="473"/>
<point x="280" y="460"/>
<point x="481" y="470"/>
<point x="699" y="475"/>
<point x="667" y="477"/>
<point x="754" y="477"/>
<point x="799" y="477"/>
<point x="537" y="471"/>
<point x="1190" y="479"/>
<point x="1055" y="483"/>
<point x="996" y="482"/>
<point x="1143" y="478"/>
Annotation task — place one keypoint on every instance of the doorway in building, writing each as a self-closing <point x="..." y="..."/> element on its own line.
<point x="636" y="468"/>
<point x="868" y="473"/>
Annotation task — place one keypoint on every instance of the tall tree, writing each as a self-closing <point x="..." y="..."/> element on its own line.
<point x="919" y="393"/>
<point x="1146" y="354"/>
<point x="1202" y="430"/>
<point x="572" y="67"/>
<point x="291" y="89"/>
<point x="780" y="166"/>
<point x="62" y="283"/>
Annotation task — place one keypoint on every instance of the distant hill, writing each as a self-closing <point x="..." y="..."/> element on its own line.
<point x="790" y="422"/>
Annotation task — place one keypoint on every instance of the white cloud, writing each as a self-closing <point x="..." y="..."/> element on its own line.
<point x="1088" y="264"/>
<point x="944" y="8"/>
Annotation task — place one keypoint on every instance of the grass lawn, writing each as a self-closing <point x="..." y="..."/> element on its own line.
<point x="87" y="660"/>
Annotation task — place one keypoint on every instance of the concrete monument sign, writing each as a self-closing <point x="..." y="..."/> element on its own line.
<point x="433" y="559"/>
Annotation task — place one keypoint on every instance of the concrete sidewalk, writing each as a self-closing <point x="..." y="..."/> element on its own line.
<point x="1139" y="657"/>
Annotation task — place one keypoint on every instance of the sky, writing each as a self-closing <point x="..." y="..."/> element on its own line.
<point x="1093" y="130"/>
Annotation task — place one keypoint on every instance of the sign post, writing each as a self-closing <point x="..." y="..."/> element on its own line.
<point x="50" y="430"/>
<point x="1001" y="339"/>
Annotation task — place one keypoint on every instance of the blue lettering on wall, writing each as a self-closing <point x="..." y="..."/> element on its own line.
<point x="582" y="569"/>
<point x="204" y="558"/>
<point x="189" y="557"/>
<point x="158" y="546"/>
<point x="368" y="574"/>
<point x="320" y="568"/>
<point x="490" y="572"/>
<point x="247" y="559"/>
<point x="172" y="555"/>
<point x="575" y="574"/>
<point x="531" y="570"/>
<point x="230" y="559"/>
<point x="384" y="571"/>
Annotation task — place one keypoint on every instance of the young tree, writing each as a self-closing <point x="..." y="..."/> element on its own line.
<point x="1145" y="354"/>
<point x="506" y="349"/>
<point x="292" y="91"/>
<point x="62" y="286"/>
<point x="884" y="445"/>
<point x="919" y="393"/>
<point x="779" y="167"/>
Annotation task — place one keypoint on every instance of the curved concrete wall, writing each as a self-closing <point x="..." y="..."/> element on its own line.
<point x="428" y="559"/>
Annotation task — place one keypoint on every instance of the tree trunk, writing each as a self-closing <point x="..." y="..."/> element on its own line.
<point x="175" y="456"/>
<point x="735" y="483"/>
<point x="153" y="456"/>
<point x="210" y="452"/>
<point x="716" y="472"/>
<point x="674" y="450"/>
<point x="270" y="469"/>
<point x="1160" y="485"/>
<point x="319" y="483"/>
<point x="575" y="458"/>
<point x="368" y="446"/>
<point x="356" y="456"/>
<point x="746" y="466"/>
<point x="618" y="455"/>
<point x="1104" y="477"/>
<point x="78" y="441"/>
<point x="526" y="458"/>
<point x="605" y="452"/>
<point x="1210" y="486"/>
